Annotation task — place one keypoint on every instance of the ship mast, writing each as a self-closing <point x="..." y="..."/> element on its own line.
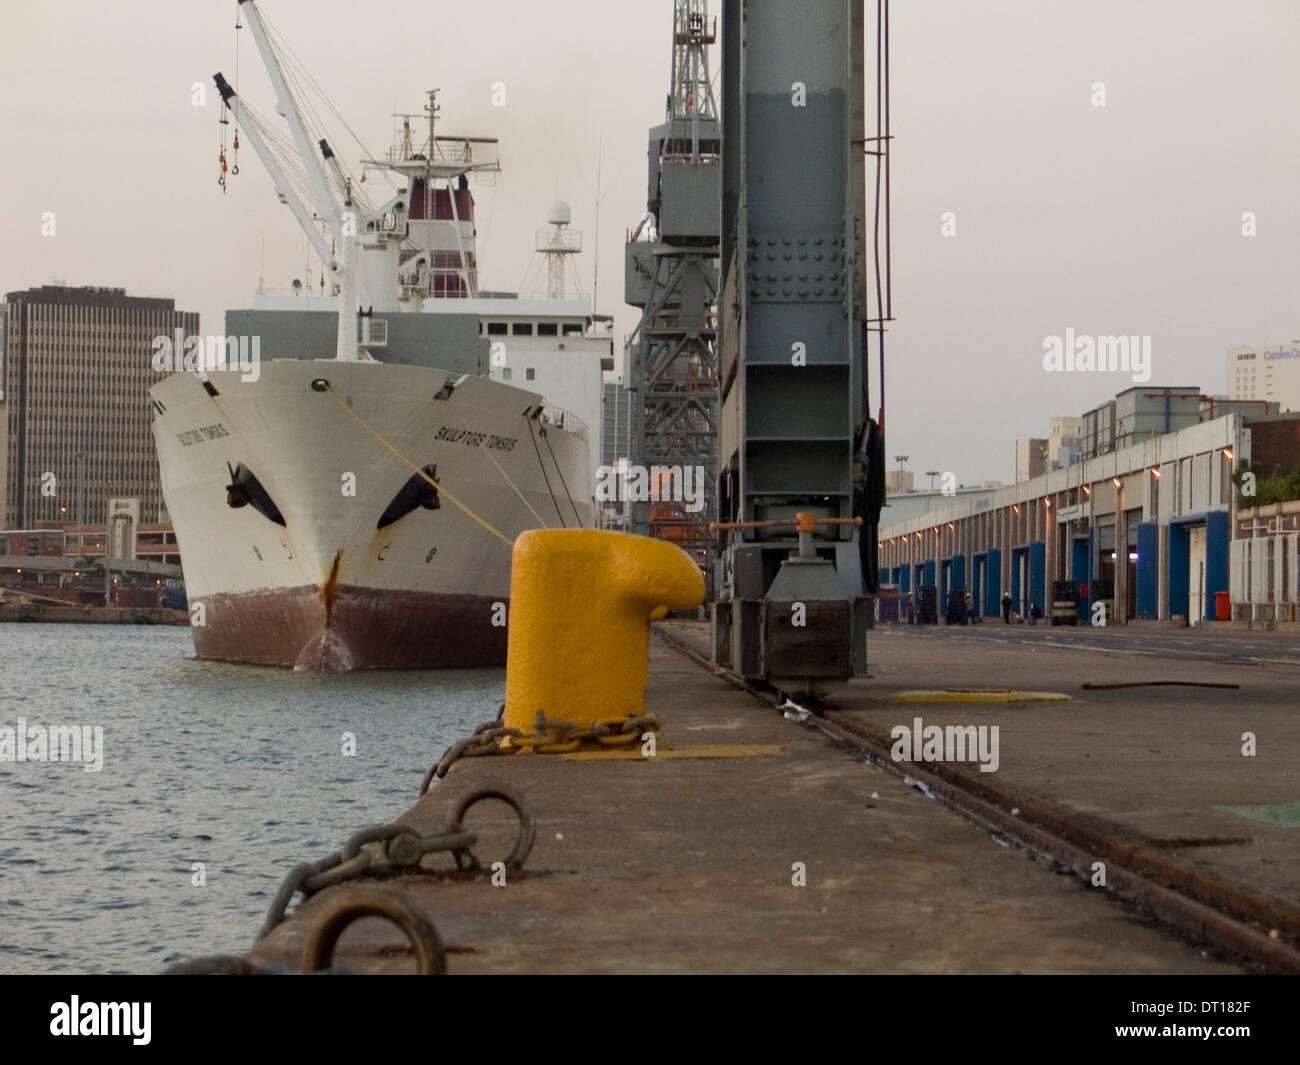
<point x="436" y="164"/>
<point x="341" y="220"/>
<point x="467" y="278"/>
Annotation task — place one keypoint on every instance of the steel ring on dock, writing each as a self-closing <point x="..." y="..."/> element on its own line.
<point x="350" y="906"/>
<point x="514" y="861"/>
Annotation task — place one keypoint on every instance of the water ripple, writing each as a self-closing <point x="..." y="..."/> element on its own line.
<point x="238" y="768"/>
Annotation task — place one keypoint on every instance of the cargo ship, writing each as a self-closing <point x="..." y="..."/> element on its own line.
<point x="348" y="501"/>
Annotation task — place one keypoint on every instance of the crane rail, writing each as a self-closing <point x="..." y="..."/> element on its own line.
<point x="1199" y="906"/>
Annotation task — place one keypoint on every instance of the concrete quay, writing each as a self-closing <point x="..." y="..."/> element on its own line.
<point x="680" y="864"/>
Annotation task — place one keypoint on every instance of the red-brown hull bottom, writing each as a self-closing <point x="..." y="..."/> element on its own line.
<point x="360" y="629"/>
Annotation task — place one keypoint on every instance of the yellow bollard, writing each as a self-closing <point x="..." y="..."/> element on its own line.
<point x="581" y="603"/>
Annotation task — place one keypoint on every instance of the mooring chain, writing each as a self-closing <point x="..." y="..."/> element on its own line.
<point x="486" y="739"/>
<point x="401" y="849"/>
<point x="547" y="737"/>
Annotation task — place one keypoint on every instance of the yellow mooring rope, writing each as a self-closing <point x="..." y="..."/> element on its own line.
<point x="441" y="490"/>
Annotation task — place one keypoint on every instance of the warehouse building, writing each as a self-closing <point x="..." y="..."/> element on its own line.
<point x="1142" y="526"/>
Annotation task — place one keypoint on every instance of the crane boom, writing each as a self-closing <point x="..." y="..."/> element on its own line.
<point x="287" y="105"/>
<point x="341" y="222"/>
<point x="283" y="188"/>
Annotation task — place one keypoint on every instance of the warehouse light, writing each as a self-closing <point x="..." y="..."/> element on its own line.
<point x="950" y="525"/>
<point x="1046" y="502"/>
<point x="1117" y="482"/>
<point x="1227" y="454"/>
<point x="1086" y="490"/>
<point x="1015" y="507"/>
<point x="1155" y="473"/>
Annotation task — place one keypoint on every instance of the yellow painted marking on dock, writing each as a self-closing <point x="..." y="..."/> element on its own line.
<point x="979" y="695"/>
<point x="702" y="750"/>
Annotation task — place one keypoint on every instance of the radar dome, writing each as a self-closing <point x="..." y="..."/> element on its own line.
<point x="559" y="214"/>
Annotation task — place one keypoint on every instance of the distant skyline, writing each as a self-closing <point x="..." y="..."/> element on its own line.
<point x="1122" y="219"/>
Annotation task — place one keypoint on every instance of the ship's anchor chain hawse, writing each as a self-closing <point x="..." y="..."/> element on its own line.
<point x="547" y="737"/>
<point x="342" y="910"/>
<point x="320" y="384"/>
<point x="401" y="849"/>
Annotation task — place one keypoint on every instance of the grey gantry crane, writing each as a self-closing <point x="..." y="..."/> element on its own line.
<point x="671" y="273"/>
<point x="801" y="460"/>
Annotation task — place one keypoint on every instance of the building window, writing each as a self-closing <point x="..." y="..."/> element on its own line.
<point x="547" y="329"/>
<point x="496" y="329"/>
<point x="572" y="329"/>
<point x="505" y="374"/>
<point x="522" y="329"/>
<point x="530" y="374"/>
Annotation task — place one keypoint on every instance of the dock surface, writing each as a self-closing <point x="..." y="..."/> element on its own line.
<point x="688" y="864"/>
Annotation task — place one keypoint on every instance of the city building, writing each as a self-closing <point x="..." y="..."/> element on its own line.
<point x="76" y="365"/>
<point x="1145" y="527"/>
<point x="616" y="424"/>
<point x="899" y="481"/>
<point x="63" y="562"/>
<point x="149" y="542"/>
<point x="1265" y="564"/>
<point x="1266" y="372"/>
<point x="616" y="429"/>
<point x="1062" y="446"/>
<point x="1064" y="441"/>
<point x="1031" y="455"/>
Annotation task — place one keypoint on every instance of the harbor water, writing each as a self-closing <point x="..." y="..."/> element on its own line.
<point x="240" y="768"/>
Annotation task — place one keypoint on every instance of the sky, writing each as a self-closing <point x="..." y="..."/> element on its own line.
<point x="1122" y="219"/>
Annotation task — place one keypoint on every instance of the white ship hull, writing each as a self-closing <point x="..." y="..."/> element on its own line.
<point x="328" y="589"/>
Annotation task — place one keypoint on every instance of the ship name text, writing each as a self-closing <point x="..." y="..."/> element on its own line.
<point x="472" y="438"/>
<point x="198" y="436"/>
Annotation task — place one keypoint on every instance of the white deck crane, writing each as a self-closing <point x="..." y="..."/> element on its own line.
<point x="339" y="217"/>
